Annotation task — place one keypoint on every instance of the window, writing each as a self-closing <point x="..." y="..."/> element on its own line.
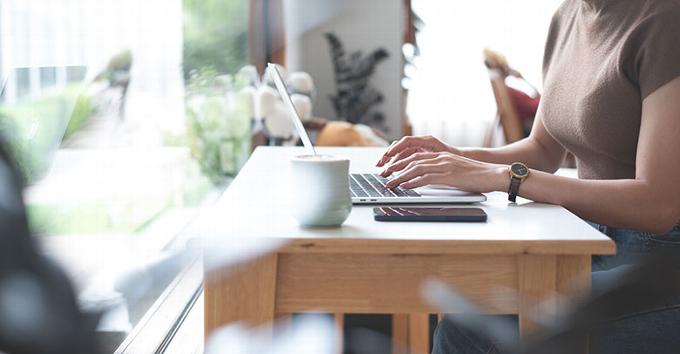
<point x="23" y="80"/>
<point x="48" y="77"/>
<point x="450" y="94"/>
<point x="75" y="73"/>
<point x="117" y="112"/>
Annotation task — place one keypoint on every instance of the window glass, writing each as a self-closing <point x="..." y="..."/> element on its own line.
<point x="75" y="73"/>
<point x="48" y="77"/>
<point x="118" y="114"/>
<point x="23" y="81"/>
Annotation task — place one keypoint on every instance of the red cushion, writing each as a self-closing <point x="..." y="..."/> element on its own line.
<point x="525" y="105"/>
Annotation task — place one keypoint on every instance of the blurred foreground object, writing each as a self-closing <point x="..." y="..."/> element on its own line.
<point x="312" y="335"/>
<point x="637" y="289"/>
<point x="38" y="309"/>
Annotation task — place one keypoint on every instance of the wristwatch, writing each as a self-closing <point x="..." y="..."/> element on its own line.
<point x="518" y="173"/>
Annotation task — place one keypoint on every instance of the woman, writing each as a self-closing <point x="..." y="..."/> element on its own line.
<point x="612" y="98"/>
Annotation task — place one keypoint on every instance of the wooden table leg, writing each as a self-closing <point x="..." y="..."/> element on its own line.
<point x="574" y="280"/>
<point x="537" y="291"/>
<point x="399" y="334"/>
<point x="243" y="293"/>
<point x="547" y="284"/>
<point x="340" y="328"/>
<point x="284" y="321"/>
<point x="410" y="333"/>
<point x="419" y="333"/>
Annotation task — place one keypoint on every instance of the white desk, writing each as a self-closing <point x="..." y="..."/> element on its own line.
<point x="528" y="249"/>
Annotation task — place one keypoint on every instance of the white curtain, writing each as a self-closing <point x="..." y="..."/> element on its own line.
<point x="450" y="94"/>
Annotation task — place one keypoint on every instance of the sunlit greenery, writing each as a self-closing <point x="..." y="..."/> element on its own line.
<point x="218" y="124"/>
<point x="36" y="128"/>
<point x="215" y="35"/>
<point x="216" y="45"/>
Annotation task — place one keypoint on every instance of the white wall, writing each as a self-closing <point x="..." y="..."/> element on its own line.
<point x="361" y="25"/>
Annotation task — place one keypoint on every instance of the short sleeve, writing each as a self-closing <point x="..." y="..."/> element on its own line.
<point x="554" y="32"/>
<point x="658" y="51"/>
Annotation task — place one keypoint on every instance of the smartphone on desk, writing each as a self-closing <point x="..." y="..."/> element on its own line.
<point x="429" y="214"/>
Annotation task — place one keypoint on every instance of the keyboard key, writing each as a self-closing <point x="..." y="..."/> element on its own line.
<point x="367" y="186"/>
<point x="373" y="185"/>
<point x="382" y="179"/>
<point x="399" y="192"/>
<point x="411" y="193"/>
<point x="384" y="191"/>
<point x="356" y="189"/>
<point x="353" y="183"/>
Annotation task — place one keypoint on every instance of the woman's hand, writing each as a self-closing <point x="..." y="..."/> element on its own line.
<point x="445" y="168"/>
<point x="410" y="145"/>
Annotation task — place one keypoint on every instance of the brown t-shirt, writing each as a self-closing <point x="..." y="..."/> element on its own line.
<point x="602" y="58"/>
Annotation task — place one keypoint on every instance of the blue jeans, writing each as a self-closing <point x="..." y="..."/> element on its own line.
<point x="654" y="331"/>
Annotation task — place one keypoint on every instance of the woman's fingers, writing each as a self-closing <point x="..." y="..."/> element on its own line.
<point x="400" y="163"/>
<point x="401" y="145"/>
<point x="402" y="155"/>
<point x="424" y="180"/>
<point x="391" y="150"/>
<point x="418" y="168"/>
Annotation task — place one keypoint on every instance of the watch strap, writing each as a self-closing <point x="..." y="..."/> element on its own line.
<point x="514" y="188"/>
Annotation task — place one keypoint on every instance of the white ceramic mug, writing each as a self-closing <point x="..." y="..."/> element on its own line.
<point x="321" y="195"/>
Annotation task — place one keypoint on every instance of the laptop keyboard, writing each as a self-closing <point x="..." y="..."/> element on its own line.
<point x="372" y="185"/>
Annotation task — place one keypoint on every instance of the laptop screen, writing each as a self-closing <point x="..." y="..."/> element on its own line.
<point x="283" y="92"/>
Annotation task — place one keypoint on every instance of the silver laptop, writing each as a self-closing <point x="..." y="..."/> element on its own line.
<point x="369" y="188"/>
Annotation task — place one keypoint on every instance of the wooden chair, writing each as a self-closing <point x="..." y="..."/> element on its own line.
<point x="506" y="115"/>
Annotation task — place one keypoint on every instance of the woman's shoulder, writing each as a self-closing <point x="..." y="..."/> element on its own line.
<point x="656" y="18"/>
<point x="563" y="18"/>
<point x="567" y="9"/>
<point x="559" y="25"/>
<point x="660" y="9"/>
<point x="651" y="50"/>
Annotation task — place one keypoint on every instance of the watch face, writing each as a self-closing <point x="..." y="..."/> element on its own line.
<point x="519" y="170"/>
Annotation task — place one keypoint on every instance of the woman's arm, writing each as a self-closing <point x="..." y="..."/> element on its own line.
<point x="650" y="202"/>
<point x="539" y="151"/>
